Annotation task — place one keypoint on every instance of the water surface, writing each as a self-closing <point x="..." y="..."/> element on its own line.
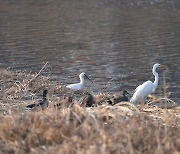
<point x="115" y="42"/>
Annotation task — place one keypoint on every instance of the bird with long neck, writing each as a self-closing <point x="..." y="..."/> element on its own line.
<point x="155" y="83"/>
<point x="80" y="85"/>
<point x="117" y="99"/>
<point x="147" y="87"/>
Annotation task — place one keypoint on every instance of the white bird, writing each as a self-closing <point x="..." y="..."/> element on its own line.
<point x="80" y="85"/>
<point x="147" y="87"/>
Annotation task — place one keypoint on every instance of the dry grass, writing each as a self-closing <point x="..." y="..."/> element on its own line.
<point x="122" y="128"/>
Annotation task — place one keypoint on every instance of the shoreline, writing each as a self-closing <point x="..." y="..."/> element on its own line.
<point x="119" y="128"/>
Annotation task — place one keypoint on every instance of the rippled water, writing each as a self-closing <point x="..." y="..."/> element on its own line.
<point x="115" y="42"/>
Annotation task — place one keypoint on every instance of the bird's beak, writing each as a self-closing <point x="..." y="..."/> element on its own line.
<point x="164" y="66"/>
<point x="88" y="78"/>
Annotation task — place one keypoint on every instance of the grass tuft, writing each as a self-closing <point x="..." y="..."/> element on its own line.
<point x="122" y="128"/>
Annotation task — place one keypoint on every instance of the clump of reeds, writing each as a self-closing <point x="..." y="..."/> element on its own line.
<point x="15" y="85"/>
<point x="94" y="130"/>
<point x="122" y="128"/>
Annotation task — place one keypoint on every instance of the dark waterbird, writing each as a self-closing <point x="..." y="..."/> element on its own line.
<point x="42" y="104"/>
<point x="121" y="98"/>
<point x="111" y="100"/>
<point x="87" y="100"/>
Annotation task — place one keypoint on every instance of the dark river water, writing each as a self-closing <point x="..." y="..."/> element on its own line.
<point x="115" y="42"/>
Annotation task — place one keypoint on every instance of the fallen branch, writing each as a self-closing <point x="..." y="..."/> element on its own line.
<point x="36" y="75"/>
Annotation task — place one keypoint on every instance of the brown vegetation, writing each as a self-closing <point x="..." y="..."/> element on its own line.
<point x="122" y="128"/>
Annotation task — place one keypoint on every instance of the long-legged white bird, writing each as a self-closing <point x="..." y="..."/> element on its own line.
<point x="80" y="85"/>
<point x="147" y="87"/>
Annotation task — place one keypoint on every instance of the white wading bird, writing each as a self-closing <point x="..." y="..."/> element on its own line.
<point x="80" y="85"/>
<point x="147" y="87"/>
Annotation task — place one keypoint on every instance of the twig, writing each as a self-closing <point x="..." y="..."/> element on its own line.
<point x="159" y="100"/>
<point x="165" y="86"/>
<point x="93" y="117"/>
<point x="36" y="75"/>
<point x="19" y="84"/>
<point x="169" y="100"/>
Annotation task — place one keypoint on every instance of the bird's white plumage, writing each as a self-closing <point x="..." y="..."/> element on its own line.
<point x="138" y="88"/>
<point x="80" y="85"/>
<point x="76" y="86"/>
<point x="142" y="91"/>
<point x="146" y="88"/>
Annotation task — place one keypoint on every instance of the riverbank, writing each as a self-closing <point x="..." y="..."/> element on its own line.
<point x="121" y="128"/>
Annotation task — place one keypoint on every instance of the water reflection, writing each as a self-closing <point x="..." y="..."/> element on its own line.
<point x="116" y="42"/>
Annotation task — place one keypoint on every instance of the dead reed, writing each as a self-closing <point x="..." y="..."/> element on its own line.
<point x="122" y="128"/>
